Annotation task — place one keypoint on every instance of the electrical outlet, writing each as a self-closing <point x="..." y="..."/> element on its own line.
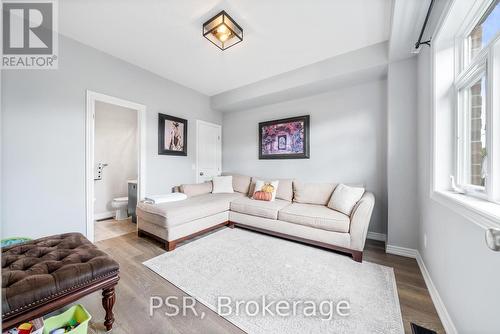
<point x="425" y="240"/>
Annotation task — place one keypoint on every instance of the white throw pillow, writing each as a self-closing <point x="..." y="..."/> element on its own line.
<point x="344" y="198"/>
<point x="222" y="184"/>
<point x="265" y="190"/>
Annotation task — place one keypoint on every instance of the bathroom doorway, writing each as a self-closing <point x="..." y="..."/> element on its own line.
<point x="115" y="165"/>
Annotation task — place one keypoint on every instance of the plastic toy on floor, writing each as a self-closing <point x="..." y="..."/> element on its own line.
<point x="25" y="328"/>
<point x="72" y="324"/>
<point x="13" y="241"/>
<point x="34" y="326"/>
<point x="74" y="320"/>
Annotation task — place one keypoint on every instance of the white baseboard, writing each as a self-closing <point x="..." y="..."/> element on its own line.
<point x="436" y="299"/>
<point x="448" y="325"/>
<point x="402" y="251"/>
<point x="104" y="215"/>
<point x="376" y="236"/>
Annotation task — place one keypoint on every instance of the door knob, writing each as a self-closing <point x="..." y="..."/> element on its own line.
<point x="493" y="239"/>
<point x="201" y="174"/>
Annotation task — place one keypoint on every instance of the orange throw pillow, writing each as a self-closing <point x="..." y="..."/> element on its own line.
<point x="265" y="191"/>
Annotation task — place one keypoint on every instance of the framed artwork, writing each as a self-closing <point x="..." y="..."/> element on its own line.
<point x="172" y="135"/>
<point x="284" y="138"/>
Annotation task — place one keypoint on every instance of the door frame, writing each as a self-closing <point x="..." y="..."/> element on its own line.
<point x="91" y="98"/>
<point x="198" y="122"/>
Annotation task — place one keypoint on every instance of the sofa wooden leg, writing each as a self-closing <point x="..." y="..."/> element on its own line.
<point x="108" y="300"/>
<point x="170" y="245"/>
<point x="357" y="256"/>
<point x="140" y="234"/>
<point x="230" y="224"/>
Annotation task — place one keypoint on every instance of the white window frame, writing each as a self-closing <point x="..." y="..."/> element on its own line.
<point x="462" y="40"/>
<point x="486" y="62"/>
<point x="462" y="153"/>
<point x="447" y="63"/>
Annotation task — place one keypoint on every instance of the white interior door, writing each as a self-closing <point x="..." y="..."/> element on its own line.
<point x="208" y="151"/>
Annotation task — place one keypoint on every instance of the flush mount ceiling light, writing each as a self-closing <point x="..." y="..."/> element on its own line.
<point x="222" y="31"/>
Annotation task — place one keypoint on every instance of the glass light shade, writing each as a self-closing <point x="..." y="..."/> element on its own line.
<point x="222" y="31"/>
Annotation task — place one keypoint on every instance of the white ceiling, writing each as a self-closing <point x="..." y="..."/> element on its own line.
<point x="164" y="36"/>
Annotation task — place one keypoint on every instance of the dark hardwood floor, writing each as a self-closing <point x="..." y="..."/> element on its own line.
<point x="138" y="284"/>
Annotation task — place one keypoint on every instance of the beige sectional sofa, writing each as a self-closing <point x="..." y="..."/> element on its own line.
<point x="299" y="212"/>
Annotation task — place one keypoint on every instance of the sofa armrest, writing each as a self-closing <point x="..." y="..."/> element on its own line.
<point x="360" y="219"/>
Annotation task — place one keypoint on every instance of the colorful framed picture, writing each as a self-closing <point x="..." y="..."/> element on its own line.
<point x="172" y="135"/>
<point x="284" y="138"/>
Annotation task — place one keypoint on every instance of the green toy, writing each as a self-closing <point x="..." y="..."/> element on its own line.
<point x="13" y="241"/>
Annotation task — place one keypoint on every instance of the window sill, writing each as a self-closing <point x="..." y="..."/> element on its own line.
<point x="481" y="212"/>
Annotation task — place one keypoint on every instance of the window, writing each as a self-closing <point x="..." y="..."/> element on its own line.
<point x="472" y="151"/>
<point x="477" y="171"/>
<point x="483" y="32"/>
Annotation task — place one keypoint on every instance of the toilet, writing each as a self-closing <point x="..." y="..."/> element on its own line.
<point x="120" y="204"/>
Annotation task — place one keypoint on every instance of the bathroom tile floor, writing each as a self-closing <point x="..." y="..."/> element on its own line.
<point x="111" y="228"/>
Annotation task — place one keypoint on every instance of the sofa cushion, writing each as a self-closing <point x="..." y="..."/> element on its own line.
<point x="284" y="191"/>
<point x="312" y="193"/>
<point x="181" y="212"/>
<point x="196" y="189"/>
<point x="318" y="216"/>
<point x="222" y="184"/>
<point x="344" y="198"/>
<point x="241" y="183"/>
<point x="265" y="190"/>
<point x="263" y="209"/>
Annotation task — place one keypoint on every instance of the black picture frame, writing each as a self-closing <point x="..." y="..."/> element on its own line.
<point x="304" y="155"/>
<point x="162" y="150"/>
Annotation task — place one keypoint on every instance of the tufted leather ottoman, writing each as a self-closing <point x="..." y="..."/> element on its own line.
<point x="45" y="274"/>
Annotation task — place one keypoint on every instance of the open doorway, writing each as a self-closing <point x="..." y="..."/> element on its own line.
<point x="114" y="165"/>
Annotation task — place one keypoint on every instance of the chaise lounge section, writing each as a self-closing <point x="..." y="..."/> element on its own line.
<point x="300" y="212"/>
<point x="173" y="222"/>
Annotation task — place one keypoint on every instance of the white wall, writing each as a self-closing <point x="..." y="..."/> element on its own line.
<point x="465" y="272"/>
<point x="348" y="141"/>
<point x="43" y="128"/>
<point x="402" y="212"/>
<point x="348" y="69"/>
<point x="115" y="144"/>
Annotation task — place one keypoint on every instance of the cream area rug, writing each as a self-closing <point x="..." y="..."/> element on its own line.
<point x="258" y="271"/>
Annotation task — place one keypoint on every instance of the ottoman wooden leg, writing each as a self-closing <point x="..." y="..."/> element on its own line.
<point x="108" y="300"/>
